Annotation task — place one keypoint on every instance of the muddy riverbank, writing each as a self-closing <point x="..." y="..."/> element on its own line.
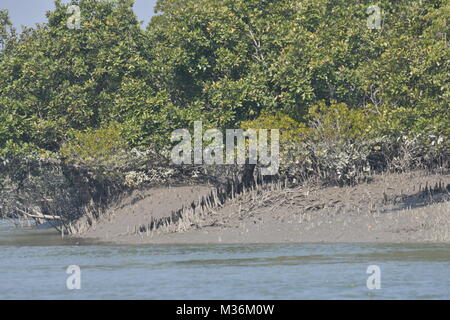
<point x="395" y="208"/>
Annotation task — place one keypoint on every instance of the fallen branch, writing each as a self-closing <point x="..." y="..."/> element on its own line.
<point x="39" y="215"/>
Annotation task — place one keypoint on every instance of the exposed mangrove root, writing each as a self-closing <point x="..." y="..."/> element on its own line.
<point x="194" y="215"/>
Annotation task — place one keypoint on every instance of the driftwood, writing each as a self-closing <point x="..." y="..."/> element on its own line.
<point x="39" y="215"/>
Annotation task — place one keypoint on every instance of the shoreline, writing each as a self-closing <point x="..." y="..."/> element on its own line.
<point x="392" y="208"/>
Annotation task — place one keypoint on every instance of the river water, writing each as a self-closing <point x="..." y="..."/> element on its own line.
<point x="33" y="265"/>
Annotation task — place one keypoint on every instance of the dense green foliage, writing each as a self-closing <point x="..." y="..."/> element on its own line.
<point x="88" y="106"/>
<point x="222" y="62"/>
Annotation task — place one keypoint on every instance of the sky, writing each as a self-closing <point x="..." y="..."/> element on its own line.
<point x="30" y="12"/>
